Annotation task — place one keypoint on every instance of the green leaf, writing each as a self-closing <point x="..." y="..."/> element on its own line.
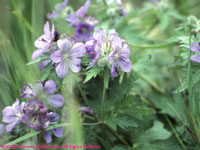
<point x="157" y="132"/>
<point x="41" y="58"/>
<point x="121" y="121"/>
<point x="184" y="85"/>
<point x="46" y="73"/>
<point x="92" y="73"/>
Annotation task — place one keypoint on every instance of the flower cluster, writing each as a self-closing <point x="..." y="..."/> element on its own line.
<point x="83" y="23"/>
<point x="64" y="53"/>
<point x="34" y="113"/>
<point x="109" y="49"/>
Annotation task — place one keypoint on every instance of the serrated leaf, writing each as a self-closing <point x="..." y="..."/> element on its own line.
<point x="121" y="121"/>
<point x="184" y="85"/>
<point x="92" y="73"/>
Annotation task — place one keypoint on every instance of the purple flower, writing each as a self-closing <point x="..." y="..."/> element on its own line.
<point x="35" y="114"/>
<point x="74" y="19"/>
<point x="86" y="110"/>
<point x="39" y="117"/>
<point x="119" y="57"/>
<point x="58" y="8"/>
<point x="195" y="47"/>
<point x="68" y="56"/>
<point x="45" y="92"/>
<point x="58" y="132"/>
<point x="83" y="31"/>
<point x="81" y="12"/>
<point x="13" y="115"/>
<point x="44" y="42"/>
<point x="105" y="49"/>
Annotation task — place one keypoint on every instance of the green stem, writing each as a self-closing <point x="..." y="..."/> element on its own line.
<point x="176" y="134"/>
<point x="102" y="103"/>
<point x="116" y="135"/>
<point x="34" y="133"/>
<point x="151" y="83"/>
<point x="83" y="95"/>
<point x="189" y="69"/>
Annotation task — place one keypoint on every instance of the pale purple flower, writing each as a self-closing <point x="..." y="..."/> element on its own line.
<point x="13" y="115"/>
<point x="104" y="49"/>
<point x="195" y="47"/>
<point x="119" y="57"/>
<point x="46" y="92"/>
<point x="81" y="12"/>
<point x="83" y="31"/>
<point x="86" y="110"/>
<point x="44" y="42"/>
<point x="58" y="8"/>
<point x="68" y="57"/>
<point x="58" y="132"/>
<point x="75" y="19"/>
<point x="39" y="117"/>
<point x="93" y="50"/>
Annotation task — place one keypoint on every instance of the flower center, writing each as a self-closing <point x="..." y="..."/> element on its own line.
<point x="116" y="56"/>
<point x="18" y="115"/>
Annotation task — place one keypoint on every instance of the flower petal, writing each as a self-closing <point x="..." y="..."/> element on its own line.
<point x="10" y="126"/>
<point x="37" y="53"/>
<point x="47" y="31"/>
<point x="58" y="132"/>
<point x="100" y="35"/>
<point x="47" y="137"/>
<point x="195" y="47"/>
<point x="77" y="50"/>
<point x="50" y="87"/>
<point x="114" y="70"/>
<point x="116" y="43"/>
<point x="81" y="12"/>
<point x="8" y="115"/>
<point x="64" y="44"/>
<point x="62" y="69"/>
<point x="195" y="58"/>
<point x="74" y="64"/>
<point x="56" y="56"/>
<point x="55" y="100"/>
<point x="125" y="64"/>
<point x="125" y="52"/>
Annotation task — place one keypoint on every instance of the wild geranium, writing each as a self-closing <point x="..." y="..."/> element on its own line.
<point x="46" y="93"/>
<point x="44" y="42"/>
<point x="13" y="115"/>
<point x="39" y="117"/>
<point x="68" y="56"/>
<point x="83" y="23"/>
<point x="195" y="47"/>
<point x="109" y="49"/>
